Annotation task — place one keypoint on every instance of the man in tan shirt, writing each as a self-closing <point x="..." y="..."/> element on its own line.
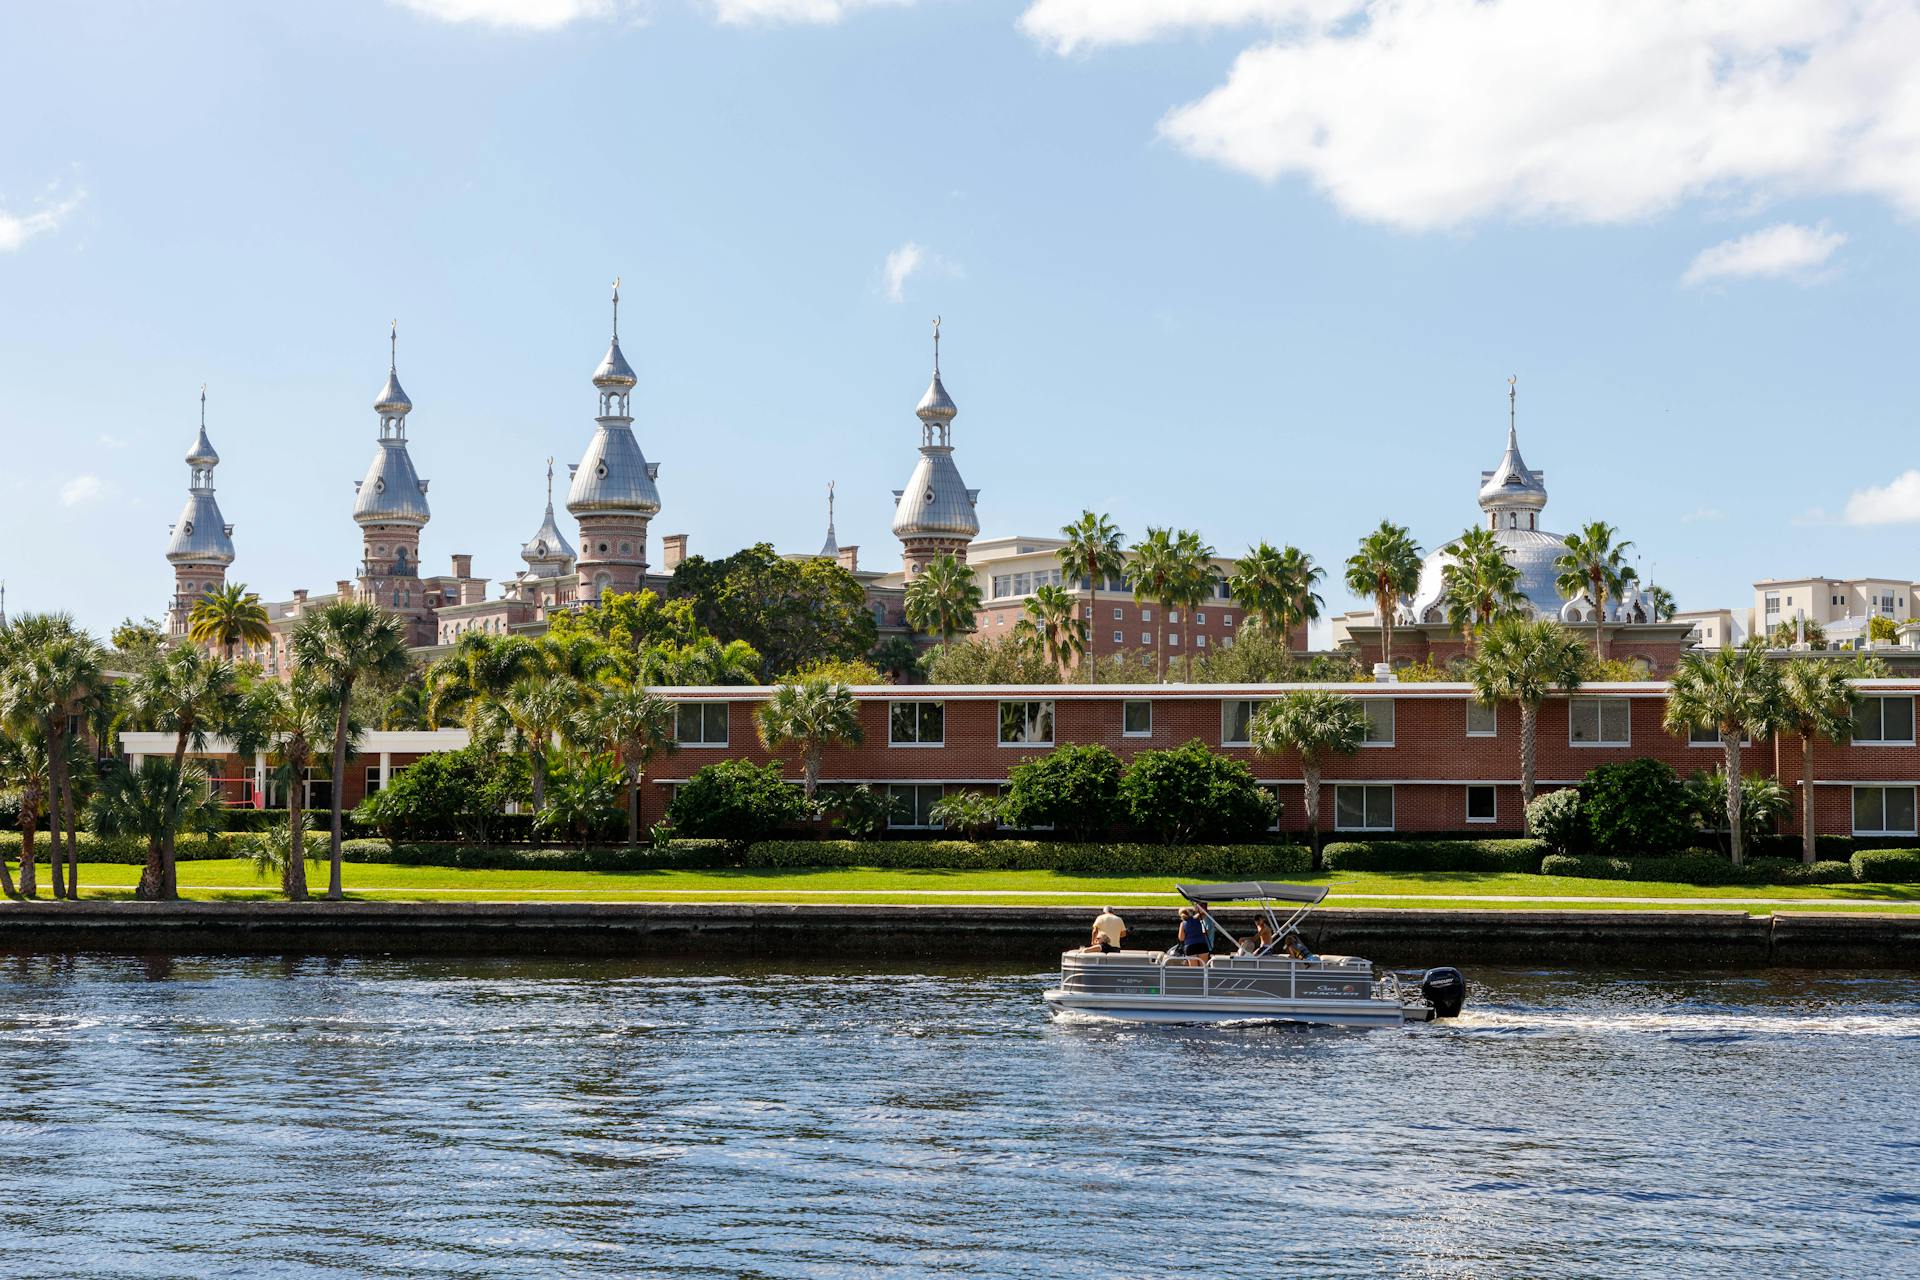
<point x="1108" y="929"/>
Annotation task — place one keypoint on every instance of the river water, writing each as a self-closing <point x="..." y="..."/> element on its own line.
<point x="393" y="1117"/>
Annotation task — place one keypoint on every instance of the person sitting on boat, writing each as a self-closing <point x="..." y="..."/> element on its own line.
<point x="1108" y="930"/>
<point x="1263" y="942"/>
<point x="1193" y="938"/>
<point x="1295" y="946"/>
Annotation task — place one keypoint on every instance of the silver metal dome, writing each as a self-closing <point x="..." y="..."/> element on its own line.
<point x="393" y="492"/>
<point x="613" y="475"/>
<point x="1531" y="551"/>
<point x="201" y="535"/>
<point x="392" y="402"/>
<point x="936" y="405"/>
<point x="936" y="501"/>
<point x="202" y="454"/>
<point x="1511" y="486"/>
<point x="548" y="547"/>
<point x="614" y="371"/>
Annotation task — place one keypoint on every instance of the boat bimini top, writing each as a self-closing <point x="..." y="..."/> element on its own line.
<point x="1266" y="893"/>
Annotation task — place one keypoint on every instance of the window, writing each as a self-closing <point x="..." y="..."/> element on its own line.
<point x="1146" y="615"/>
<point x="1136" y="719"/>
<point x="1023" y="584"/>
<point x="1379" y="713"/>
<point x="1173" y="615"/>
<point x="1706" y="735"/>
<point x="1482" y="804"/>
<point x="1483" y="721"/>
<point x="1598" y="722"/>
<point x="1146" y="637"/>
<point x="1119" y="637"/>
<point x="1199" y="619"/>
<point x="1226" y="642"/>
<point x="1026" y="724"/>
<point x="1199" y="642"/>
<point x="1226" y="620"/>
<point x="1881" y="721"/>
<point x="1773" y="604"/>
<point x="1117" y="615"/>
<point x="1236" y="719"/>
<point x="917" y="724"/>
<point x="915" y="803"/>
<point x="1173" y="640"/>
<point x="700" y="724"/>
<point x="1357" y="808"/>
<point x="373" y="779"/>
<point x="1883" y="811"/>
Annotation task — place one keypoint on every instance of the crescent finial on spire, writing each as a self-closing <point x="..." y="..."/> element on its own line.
<point x="936" y="345"/>
<point x="203" y="406"/>
<point x="393" y="346"/>
<point x="616" y="308"/>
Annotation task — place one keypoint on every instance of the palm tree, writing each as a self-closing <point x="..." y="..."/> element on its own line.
<point x="1275" y="587"/>
<point x="1051" y="623"/>
<point x="229" y="616"/>
<point x="1196" y="580"/>
<point x="1385" y="568"/>
<point x="23" y="771"/>
<point x="1525" y="661"/>
<point x="1303" y="575"/>
<point x="155" y="803"/>
<point x="539" y="707"/>
<point x="1314" y="723"/>
<point x="944" y="599"/>
<point x="1480" y="583"/>
<point x="705" y="662"/>
<point x="193" y="695"/>
<point x="1594" y="565"/>
<point x="481" y="666"/>
<point x="1660" y="606"/>
<point x="340" y="645"/>
<point x="812" y="715"/>
<point x="1737" y="691"/>
<point x="50" y="672"/>
<point x="291" y="720"/>
<point x="1154" y="572"/>
<point x="1093" y="553"/>
<point x="1816" y="700"/>
<point x="897" y="658"/>
<point x="636" y="726"/>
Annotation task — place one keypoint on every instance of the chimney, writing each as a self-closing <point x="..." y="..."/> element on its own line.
<point x="299" y="595"/>
<point x="849" y="558"/>
<point x="673" y="549"/>
<point x="472" y="590"/>
<point x="463" y="566"/>
<point x="343" y="588"/>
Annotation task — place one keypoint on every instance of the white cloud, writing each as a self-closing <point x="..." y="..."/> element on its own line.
<point x="82" y="488"/>
<point x="901" y="264"/>
<point x="816" y="11"/>
<point x="1787" y="249"/>
<point x="530" y="15"/>
<point x="1896" y="502"/>
<point x="1703" y="513"/>
<point x="1427" y="114"/>
<point x="17" y="229"/>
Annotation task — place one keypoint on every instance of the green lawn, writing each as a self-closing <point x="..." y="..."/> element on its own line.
<point x="234" y="879"/>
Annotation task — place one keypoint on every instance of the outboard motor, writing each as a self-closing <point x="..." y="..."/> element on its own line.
<point x="1445" y="990"/>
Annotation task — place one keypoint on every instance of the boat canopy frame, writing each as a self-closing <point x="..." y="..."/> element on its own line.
<point x="1305" y="898"/>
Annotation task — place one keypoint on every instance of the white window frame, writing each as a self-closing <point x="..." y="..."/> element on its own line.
<point x="726" y="725"/>
<point x="1468" y="799"/>
<point x="1883" y="699"/>
<point x="1473" y="705"/>
<point x="917" y="704"/>
<point x="1252" y="705"/>
<point x="1127" y="705"/>
<point x="1119" y="637"/>
<point x="1364" y="787"/>
<point x="1882" y="830"/>
<point x="1600" y="723"/>
<point x="1712" y="741"/>
<point x="1030" y="716"/>
<point x="1367" y="705"/>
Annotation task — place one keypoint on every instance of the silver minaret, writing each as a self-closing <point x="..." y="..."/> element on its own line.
<point x="612" y="494"/>
<point x="201" y="547"/>
<point x="935" y="514"/>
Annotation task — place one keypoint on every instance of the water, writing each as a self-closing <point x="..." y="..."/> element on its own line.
<point x="387" y="1117"/>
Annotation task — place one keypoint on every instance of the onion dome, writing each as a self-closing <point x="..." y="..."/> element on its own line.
<point x="392" y="492"/>
<point x="936" y="502"/>
<point x="614" y="372"/>
<point x="201" y="535"/>
<point x="936" y="405"/>
<point x="392" y="402"/>
<point x="548" y="547"/>
<point x="1510" y="486"/>
<point x="613" y="475"/>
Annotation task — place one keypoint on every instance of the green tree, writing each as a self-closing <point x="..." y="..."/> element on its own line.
<point x="1190" y="793"/>
<point x="791" y="612"/>
<point x="294" y="720"/>
<point x="812" y="716"/>
<point x="1005" y="659"/>
<point x="1385" y="569"/>
<point x="449" y="795"/>
<point x="229" y="616"/>
<point x="137" y="642"/>
<point x="897" y="658"/>
<point x="636" y="727"/>
<point x="1883" y="630"/>
<point x="1093" y="554"/>
<point x="51" y="673"/>
<point x="1312" y="723"/>
<point x="1785" y="635"/>
<point x="631" y="622"/>
<point x="340" y="645"/>
<point x="190" y="695"/>
<point x="1197" y="581"/>
<point x="1154" y="572"/>
<point x="1480" y="584"/>
<point x="23" y="772"/>
<point x="1763" y="802"/>
<point x="584" y="797"/>
<point x="944" y="600"/>
<point x="1636" y="807"/>
<point x="1276" y="588"/>
<point x="154" y="803"/>
<point x="736" y="801"/>
<point x="1660" y="604"/>
<point x="1074" y="789"/>
<point x="1816" y="701"/>
<point x="1594" y="565"/>
<point x="1737" y="692"/>
<point x="1525" y="661"/>
<point x="1051" y="625"/>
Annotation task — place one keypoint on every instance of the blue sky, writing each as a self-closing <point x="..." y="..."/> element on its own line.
<point x="1258" y="267"/>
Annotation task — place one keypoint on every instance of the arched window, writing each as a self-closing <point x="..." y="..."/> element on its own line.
<point x="1513" y="520"/>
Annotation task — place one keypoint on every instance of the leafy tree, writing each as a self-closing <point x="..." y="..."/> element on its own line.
<point x="631" y="622"/>
<point x="1075" y="789"/>
<point x="1560" y="819"/>
<point x="190" y="695"/>
<point x="1385" y="569"/>
<point x="1051" y="625"/>
<point x="736" y="801"/>
<point x="1737" y="691"/>
<point x="848" y="671"/>
<point x="340" y="645"/>
<point x="1636" y="807"/>
<point x="1005" y="659"/>
<point x="812" y="716"/>
<point x="791" y="612"/>
<point x="1526" y="661"/>
<point x="1882" y="629"/>
<point x="584" y="797"/>
<point x="1188" y="794"/>
<point x="705" y="662"/>
<point x="480" y="667"/>
<point x="636" y="727"/>
<point x="1480" y="583"/>
<point x="973" y="814"/>
<point x="448" y="795"/>
<point x="862" y="811"/>
<point x="137" y="642"/>
<point x="1276" y="588"/>
<point x="897" y="658"/>
<point x="530" y="692"/>
<point x="1594" y="565"/>
<point x="1092" y="553"/>
<point x="230" y="616"/>
<point x="1816" y="701"/>
<point x="1785" y="635"/>
<point x="1312" y="723"/>
<point x="944" y="600"/>
<point x="1262" y="655"/>
<point x="294" y="720"/>
<point x="153" y="803"/>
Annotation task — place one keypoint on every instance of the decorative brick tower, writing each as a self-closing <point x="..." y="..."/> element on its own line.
<point x="935" y="514"/>
<point x="390" y="507"/>
<point x="201" y="547"/>
<point x="612" y="494"/>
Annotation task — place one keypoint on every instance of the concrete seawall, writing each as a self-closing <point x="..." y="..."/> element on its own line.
<point x="1027" y="935"/>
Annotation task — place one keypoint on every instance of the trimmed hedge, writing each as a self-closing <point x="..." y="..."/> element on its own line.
<point x="1705" y="868"/>
<point x="1435" y="855"/>
<point x="681" y="855"/>
<point x="189" y="847"/>
<point x="1207" y="861"/>
<point x="1899" y="866"/>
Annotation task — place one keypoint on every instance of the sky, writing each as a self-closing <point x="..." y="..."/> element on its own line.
<point x="1260" y="268"/>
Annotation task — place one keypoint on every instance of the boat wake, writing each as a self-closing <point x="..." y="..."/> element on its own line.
<point x="1701" y="1027"/>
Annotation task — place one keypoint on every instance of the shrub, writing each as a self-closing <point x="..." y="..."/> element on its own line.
<point x="685" y="854"/>
<point x="971" y="813"/>
<point x="1199" y="861"/>
<point x="1700" y="866"/>
<point x="1190" y="794"/>
<point x="586" y="797"/>
<point x="1794" y="871"/>
<point x="1560" y="819"/>
<point x="448" y="795"/>
<point x="1896" y="866"/>
<point x="1074" y="789"/>
<point x="1586" y="866"/>
<point x="1436" y="855"/>
<point x="736" y="801"/>
<point x="863" y="812"/>
<point x="1636" y="807"/>
<point x="1763" y="802"/>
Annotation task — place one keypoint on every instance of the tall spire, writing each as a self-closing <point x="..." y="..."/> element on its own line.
<point x="936" y="409"/>
<point x="1513" y="434"/>
<point x="392" y="404"/>
<point x="1511" y="488"/>
<point x="614" y="378"/>
<point x="616" y="308"/>
<point x="832" y="546"/>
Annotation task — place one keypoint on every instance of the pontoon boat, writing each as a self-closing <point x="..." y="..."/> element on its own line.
<point x="1282" y="981"/>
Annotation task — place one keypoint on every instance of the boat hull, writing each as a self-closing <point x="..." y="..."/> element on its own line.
<point x="1137" y="986"/>
<point x="1175" y="1010"/>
